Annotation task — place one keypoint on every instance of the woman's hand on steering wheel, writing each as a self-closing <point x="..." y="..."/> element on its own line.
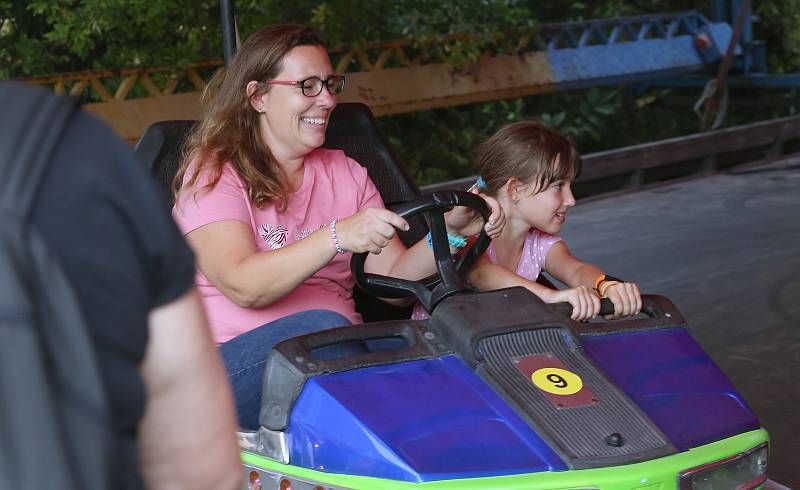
<point x="466" y="221"/>
<point x="369" y="230"/>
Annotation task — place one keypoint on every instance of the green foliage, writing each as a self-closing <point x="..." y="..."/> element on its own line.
<point x="600" y="9"/>
<point x="440" y="144"/>
<point x="40" y="37"/>
<point x="429" y="23"/>
<point x="591" y="116"/>
<point x="356" y="23"/>
<point x="779" y="27"/>
<point x="47" y="36"/>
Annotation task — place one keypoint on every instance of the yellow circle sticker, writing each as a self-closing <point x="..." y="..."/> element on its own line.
<point x="557" y="381"/>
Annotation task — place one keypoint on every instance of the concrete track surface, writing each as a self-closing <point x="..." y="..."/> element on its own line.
<point x="726" y="250"/>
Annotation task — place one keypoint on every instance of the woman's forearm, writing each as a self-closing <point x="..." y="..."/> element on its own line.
<point x="227" y="255"/>
<point x="265" y="277"/>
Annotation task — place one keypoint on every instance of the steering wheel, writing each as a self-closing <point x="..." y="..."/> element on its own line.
<point x="451" y="276"/>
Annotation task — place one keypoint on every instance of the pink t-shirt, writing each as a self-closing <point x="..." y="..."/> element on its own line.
<point x="334" y="186"/>
<point x="534" y="253"/>
<point x="531" y="262"/>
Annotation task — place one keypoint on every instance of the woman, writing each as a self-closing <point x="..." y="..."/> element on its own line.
<point x="273" y="217"/>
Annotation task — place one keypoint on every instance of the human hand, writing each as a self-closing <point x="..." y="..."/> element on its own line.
<point x="467" y="222"/>
<point x="369" y="230"/>
<point x="626" y="298"/>
<point x="585" y="303"/>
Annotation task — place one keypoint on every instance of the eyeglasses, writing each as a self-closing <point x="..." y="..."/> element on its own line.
<point x="312" y="86"/>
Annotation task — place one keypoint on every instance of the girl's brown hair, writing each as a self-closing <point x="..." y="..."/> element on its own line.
<point x="530" y="152"/>
<point x="229" y="128"/>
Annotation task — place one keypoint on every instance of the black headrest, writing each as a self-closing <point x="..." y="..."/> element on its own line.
<point x="354" y="130"/>
<point x="161" y="149"/>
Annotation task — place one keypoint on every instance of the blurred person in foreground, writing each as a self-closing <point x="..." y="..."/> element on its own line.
<point x="105" y="223"/>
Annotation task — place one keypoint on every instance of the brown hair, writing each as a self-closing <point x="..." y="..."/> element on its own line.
<point x="530" y="152"/>
<point x="229" y="128"/>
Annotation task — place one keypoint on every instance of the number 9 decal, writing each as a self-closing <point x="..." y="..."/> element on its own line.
<point x="557" y="381"/>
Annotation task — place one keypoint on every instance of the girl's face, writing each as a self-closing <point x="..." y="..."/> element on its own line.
<point x="547" y="209"/>
<point x="292" y="124"/>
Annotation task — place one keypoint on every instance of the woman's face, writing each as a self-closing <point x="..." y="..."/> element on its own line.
<point x="292" y="124"/>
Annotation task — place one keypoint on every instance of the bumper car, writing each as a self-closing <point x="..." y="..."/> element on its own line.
<point x="497" y="390"/>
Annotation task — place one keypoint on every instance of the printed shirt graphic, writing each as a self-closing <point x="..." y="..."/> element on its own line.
<point x="274" y="235"/>
<point x="531" y="262"/>
<point x="334" y="186"/>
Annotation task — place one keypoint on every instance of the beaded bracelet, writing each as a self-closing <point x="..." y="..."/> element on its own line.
<point x="335" y="239"/>
<point x="455" y="241"/>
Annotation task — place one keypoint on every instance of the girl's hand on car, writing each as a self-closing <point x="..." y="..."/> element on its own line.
<point x="369" y="230"/>
<point x="585" y="303"/>
<point x="467" y="222"/>
<point x="626" y="298"/>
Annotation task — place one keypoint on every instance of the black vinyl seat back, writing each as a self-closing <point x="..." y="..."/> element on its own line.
<point x="352" y="129"/>
<point x="161" y="149"/>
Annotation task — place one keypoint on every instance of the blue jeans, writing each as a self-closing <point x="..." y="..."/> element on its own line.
<point x="246" y="355"/>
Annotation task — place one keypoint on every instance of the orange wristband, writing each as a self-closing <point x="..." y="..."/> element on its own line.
<point x="600" y="278"/>
<point x="600" y="285"/>
<point x="604" y="285"/>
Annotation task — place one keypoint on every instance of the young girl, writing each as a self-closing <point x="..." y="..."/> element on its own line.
<point x="529" y="168"/>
